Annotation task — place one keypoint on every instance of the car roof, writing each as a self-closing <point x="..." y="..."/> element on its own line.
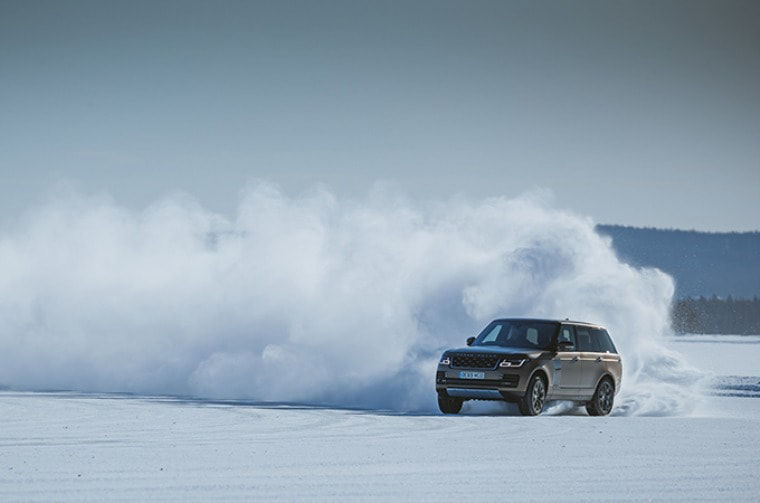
<point x="545" y="320"/>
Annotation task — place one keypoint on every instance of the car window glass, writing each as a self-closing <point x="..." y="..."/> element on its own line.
<point x="610" y="344"/>
<point x="584" y="339"/>
<point x="532" y="335"/>
<point x="597" y="343"/>
<point x="603" y="341"/>
<point x="493" y="334"/>
<point x="567" y="334"/>
<point x="518" y="333"/>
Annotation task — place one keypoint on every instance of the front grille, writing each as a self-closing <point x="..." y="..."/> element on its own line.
<point x="474" y="361"/>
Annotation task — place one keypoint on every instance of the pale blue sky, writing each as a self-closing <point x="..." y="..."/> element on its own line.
<point x="639" y="113"/>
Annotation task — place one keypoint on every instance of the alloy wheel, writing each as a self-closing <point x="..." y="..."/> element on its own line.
<point x="605" y="397"/>
<point x="537" y="396"/>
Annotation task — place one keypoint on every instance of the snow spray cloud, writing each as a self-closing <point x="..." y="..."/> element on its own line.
<point x="310" y="299"/>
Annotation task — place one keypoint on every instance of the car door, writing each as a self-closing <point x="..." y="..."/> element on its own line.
<point x="595" y="358"/>
<point x="607" y="360"/>
<point x="567" y="364"/>
<point x="587" y="354"/>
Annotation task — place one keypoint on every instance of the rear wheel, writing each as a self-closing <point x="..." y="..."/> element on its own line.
<point x="532" y="403"/>
<point x="603" y="399"/>
<point x="449" y="405"/>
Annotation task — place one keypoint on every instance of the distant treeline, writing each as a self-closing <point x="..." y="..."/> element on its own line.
<point x="702" y="263"/>
<point x="708" y="268"/>
<point x="717" y="316"/>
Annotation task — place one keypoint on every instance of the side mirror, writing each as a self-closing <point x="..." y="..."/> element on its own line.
<point x="565" y="346"/>
<point x="470" y="340"/>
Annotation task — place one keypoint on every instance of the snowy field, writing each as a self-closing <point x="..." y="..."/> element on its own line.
<point x="74" y="447"/>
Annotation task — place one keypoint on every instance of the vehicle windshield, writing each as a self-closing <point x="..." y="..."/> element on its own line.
<point x="517" y="334"/>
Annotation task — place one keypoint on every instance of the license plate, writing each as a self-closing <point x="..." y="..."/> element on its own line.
<point x="464" y="374"/>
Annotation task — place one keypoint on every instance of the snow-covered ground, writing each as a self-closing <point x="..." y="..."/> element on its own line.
<point x="74" y="447"/>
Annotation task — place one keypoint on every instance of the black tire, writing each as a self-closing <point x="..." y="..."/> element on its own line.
<point x="603" y="400"/>
<point x="449" y="405"/>
<point x="532" y="403"/>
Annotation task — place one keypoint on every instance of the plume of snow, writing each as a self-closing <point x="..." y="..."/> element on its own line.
<point x="311" y="299"/>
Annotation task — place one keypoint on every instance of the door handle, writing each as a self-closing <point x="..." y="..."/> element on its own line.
<point x="575" y="359"/>
<point x="598" y="358"/>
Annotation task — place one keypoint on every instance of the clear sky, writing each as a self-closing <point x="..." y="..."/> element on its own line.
<point x="642" y="113"/>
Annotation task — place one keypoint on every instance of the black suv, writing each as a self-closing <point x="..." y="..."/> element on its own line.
<point x="530" y="361"/>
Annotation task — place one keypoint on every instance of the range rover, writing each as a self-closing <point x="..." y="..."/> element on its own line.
<point x="532" y="361"/>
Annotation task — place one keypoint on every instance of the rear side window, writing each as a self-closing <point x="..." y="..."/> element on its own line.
<point x="603" y="341"/>
<point x="584" y="339"/>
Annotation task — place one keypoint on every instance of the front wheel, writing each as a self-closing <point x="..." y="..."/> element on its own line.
<point x="533" y="402"/>
<point x="449" y="405"/>
<point x="603" y="399"/>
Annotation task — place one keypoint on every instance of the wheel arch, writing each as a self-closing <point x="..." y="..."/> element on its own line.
<point x="609" y="377"/>
<point x="544" y="375"/>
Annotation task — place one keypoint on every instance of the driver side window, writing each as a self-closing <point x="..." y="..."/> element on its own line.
<point x="566" y="333"/>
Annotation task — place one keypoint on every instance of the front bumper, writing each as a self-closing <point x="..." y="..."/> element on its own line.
<point x="500" y="384"/>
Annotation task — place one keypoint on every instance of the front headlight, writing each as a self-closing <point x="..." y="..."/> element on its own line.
<point x="512" y="363"/>
<point x="445" y="360"/>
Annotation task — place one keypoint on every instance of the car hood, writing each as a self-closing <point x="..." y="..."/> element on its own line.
<point x="498" y="350"/>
